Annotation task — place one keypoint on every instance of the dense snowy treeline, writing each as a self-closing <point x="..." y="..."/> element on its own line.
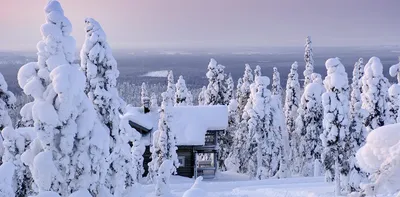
<point x="73" y="138"/>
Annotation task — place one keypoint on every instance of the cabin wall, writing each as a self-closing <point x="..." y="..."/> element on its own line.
<point x="184" y="152"/>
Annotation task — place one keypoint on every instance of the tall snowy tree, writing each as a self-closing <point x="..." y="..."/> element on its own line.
<point x="181" y="93"/>
<point x="164" y="150"/>
<point x="214" y="94"/>
<point x="15" y="143"/>
<point x="309" y="128"/>
<point x="291" y="105"/>
<point x="101" y="72"/>
<point x="164" y="139"/>
<point x="73" y="143"/>
<point x="226" y="137"/>
<point x="144" y="94"/>
<point x="7" y="102"/>
<point x="375" y="94"/>
<point x="189" y="98"/>
<point x="394" y="95"/>
<point x="229" y="88"/>
<point x="229" y="157"/>
<point x="357" y="134"/>
<point x="308" y="59"/>
<point x="257" y="71"/>
<point x="260" y="166"/>
<point x="244" y="89"/>
<point x="153" y="102"/>
<point x="171" y="88"/>
<point x="201" y="98"/>
<point x="336" y="125"/>
<point x="276" y="88"/>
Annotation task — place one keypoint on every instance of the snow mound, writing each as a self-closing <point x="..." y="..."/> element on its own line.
<point x="160" y="73"/>
<point x="196" y="190"/>
<point x="6" y="179"/>
<point x="380" y="156"/>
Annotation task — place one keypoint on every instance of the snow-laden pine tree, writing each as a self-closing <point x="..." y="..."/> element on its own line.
<point x="153" y="102"/>
<point x="144" y="94"/>
<point x="375" y="94"/>
<point x="278" y="139"/>
<point x="336" y="122"/>
<point x="229" y="88"/>
<point x="100" y="68"/>
<point x="181" y="93"/>
<point x="261" y="163"/>
<point x="201" y="98"/>
<point x="71" y="145"/>
<point x="226" y="139"/>
<point x="292" y="100"/>
<point x="7" y="102"/>
<point x="231" y="158"/>
<point x="15" y="143"/>
<point x="164" y="154"/>
<point x="357" y="131"/>
<point x="214" y="94"/>
<point x="308" y="59"/>
<point x="164" y="139"/>
<point x="244" y="89"/>
<point x="276" y="87"/>
<point x="238" y="85"/>
<point x="257" y="71"/>
<point x="309" y="128"/>
<point x="394" y="95"/>
<point x="189" y="98"/>
<point x="171" y="88"/>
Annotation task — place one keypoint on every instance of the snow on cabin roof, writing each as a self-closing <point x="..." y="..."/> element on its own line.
<point x="190" y="123"/>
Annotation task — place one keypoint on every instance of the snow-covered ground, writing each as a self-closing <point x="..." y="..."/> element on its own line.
<point x="235" y="185"/>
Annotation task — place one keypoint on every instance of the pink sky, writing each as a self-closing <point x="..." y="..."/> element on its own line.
<point x="222" y="23"/>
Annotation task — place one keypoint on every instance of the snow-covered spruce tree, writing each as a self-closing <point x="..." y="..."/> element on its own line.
<point x="144" y="94"/>
<point x="244" y="89"/>
<point x="260" y="163"/>
<point x="257" y="71"/>
<point x="181" y="93"/>
<point x="189" y="98"/>
<point x="226" y="138"/>
<point x="394" y="95"/>
<point x="171" y="88"/>
<point x="357" y="132"/>
<point x="201" y="98"/>
<point x="291" y="105"/>
<point x="375" y="94"/>
<point x="278" y="139"/>
<point x="164" y="140"/>
<point x="229" y="88"/>
<point x="71" y="146"/>
<point x="15" y="143"/>
<point x="308" y="59"/>
<point x="153" y="102"/>
<point x="238" y="85"/>
<point x="276" y="88"/>
<point x="7" y="101"/>
<point x="309" y="128"/>
<point x="336" y="124"/>
<point x="230" y="158"/>
<point x="214" y="94"/>
<point x="100" y="68"/>
<point x="6" y="181"/>
<point x="164" y="155"/>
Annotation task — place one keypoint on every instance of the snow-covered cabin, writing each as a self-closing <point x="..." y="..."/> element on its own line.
<point x="196" y="130"/>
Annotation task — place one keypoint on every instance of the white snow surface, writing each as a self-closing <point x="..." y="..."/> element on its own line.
<point x="190" y="123"/>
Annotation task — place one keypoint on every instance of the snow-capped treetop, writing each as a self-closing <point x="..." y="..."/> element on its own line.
<point x="276" y="88"/>
<point x="308" y="59"/>
<point x="6" y="96"/>
<point x="335" y="70"/>
<point x="375" y="94"/>
<point x="257" y="71"/>
<point x="229" y="89"/>
<point x="181" y="93"/>
<point x="247" y="78"/>
<point x="238" y="86"/>
<point x="395" y="71"/>
<point x="356" y="85"/>
<point x="214" y="94"/>
<point x="144" y="94"/>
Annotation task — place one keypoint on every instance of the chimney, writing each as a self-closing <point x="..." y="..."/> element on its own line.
<point x="146" y="105"/>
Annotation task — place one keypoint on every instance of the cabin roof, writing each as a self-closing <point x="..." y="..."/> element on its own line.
<point x="189" y="123"/>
